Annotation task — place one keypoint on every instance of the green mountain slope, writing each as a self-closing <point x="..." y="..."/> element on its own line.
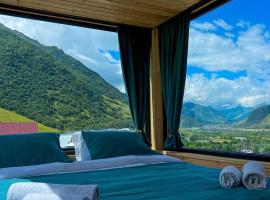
<point x="8" y="116"/>
<point x="258" y="118"/>
<point x="50" y="87"/>
<point x="236" y="114"/>
<point x="195" y="115"/>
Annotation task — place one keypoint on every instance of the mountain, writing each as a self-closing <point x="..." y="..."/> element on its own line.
<point x="8" y="116"/>
<point x="258" y="118"/>
<point x="195" y="115"/>
<point x="236" y="114"/>
<point x="48" y="86"/>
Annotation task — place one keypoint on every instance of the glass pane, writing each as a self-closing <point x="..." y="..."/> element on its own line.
<point x="227" y="95"/>
<point x="59" y="78"/>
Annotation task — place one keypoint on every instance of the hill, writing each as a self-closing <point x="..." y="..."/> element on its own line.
<point x="8" y="116"/>
<point x="50" y="87"/>
<point x="258" y="118"/>
<point x="195" y="115"/>
<point x="236" y="114"/>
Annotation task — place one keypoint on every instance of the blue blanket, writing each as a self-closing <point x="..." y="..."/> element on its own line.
<point x="170" y="181"/>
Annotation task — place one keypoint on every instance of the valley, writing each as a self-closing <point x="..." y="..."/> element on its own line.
<point x="227" y="139"/>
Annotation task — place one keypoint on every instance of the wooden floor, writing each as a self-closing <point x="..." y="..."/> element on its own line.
<point x="213" y="161"/>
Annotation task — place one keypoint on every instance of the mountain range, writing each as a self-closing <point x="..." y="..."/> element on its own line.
<point x="195" y="115"/>
<point x="44" y="84"/>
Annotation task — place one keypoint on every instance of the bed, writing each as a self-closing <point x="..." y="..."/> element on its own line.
<point x="132" y="178"/>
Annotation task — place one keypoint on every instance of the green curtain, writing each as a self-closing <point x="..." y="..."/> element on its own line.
<point x="135" y="44"/>
<point x="173" y="49"/>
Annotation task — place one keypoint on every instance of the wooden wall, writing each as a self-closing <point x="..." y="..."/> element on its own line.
<point x="156" y="103"/>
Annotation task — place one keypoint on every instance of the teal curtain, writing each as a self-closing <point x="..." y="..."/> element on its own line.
<point x="173" y="49"/>
<point x="135" y="44"/>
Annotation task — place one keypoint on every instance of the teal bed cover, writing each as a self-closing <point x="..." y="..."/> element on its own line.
<point x="167" y="181"/>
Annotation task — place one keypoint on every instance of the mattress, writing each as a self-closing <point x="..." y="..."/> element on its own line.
<point x="162" y="179"/>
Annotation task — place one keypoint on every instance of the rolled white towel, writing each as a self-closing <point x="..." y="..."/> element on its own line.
<point x="38" y="196"/>
<point x="229" y="177"/>
<point x="18" y="191"/>
<point x="254" y="177"/>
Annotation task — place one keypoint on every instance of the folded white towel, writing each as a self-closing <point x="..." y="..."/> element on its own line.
<point x="230" y="176"/>
<point x="18" y="191"/>
<point x="37" y="196"/>
<point x="254" y="177"/>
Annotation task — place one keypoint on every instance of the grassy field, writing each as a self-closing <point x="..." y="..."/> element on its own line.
<point x="228" y="139"/>
<point x="8" y="116"/>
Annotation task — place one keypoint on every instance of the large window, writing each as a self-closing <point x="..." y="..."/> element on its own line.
<point x="227" y="95"/>
<point x="59" y="78"/>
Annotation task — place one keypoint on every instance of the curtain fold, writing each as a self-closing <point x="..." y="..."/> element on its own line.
<point x="173" y="48"/>
<point x="135" y="44"/>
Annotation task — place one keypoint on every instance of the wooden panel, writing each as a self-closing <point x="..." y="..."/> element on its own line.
<point x="131" y="12"/>
<point x="156" y="108"/>
<point x="213" y="161"/>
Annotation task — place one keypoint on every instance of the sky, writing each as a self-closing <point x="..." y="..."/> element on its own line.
<point x="229" y="56"/>
<point x="228" y="59"/>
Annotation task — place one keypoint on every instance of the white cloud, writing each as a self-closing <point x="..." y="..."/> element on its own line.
<point x="221" y="92"/>
<point x="203" y="26"/>
<point x="46" y="33"/>
<point x="81" y="57"/>
<point x="229" y="35"/>
<point x="245" y="50"/>
<point x="243" y="24"/>
<point x="222" y="24"/>
<point x="248" y="51"/>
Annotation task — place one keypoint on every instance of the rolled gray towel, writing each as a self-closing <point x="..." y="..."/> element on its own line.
<point x="39" y="196"/>
<point x="254" y="177"/>
<point x="229" y="177"/>
<point x="19" y="191"/>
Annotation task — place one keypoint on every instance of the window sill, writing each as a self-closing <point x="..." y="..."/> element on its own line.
<point x="216" y="161"/>
<point x="237" y="155"/>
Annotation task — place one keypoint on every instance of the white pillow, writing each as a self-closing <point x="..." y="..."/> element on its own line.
<point x="81" y="151"/>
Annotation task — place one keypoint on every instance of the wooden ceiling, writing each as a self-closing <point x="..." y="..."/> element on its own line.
<point x="145" y="13"/>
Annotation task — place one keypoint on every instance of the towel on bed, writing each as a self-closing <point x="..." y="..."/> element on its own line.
<point x="19" y="191"/>
<point x="37" y="196"/>
<point x="230" y="176"/>
<point x="254" y="177"/>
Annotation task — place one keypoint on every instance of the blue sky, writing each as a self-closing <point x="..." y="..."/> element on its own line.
<point x="229" y="56"/>
<point x="232" y="13"/>
<point x="229" y="52"/>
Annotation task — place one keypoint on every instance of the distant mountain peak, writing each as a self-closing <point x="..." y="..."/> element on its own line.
<point x="196" y="115"/>
<point x="258" y="118"/>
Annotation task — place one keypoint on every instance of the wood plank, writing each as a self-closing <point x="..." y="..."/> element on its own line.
<point x="134" y="12"/>
<point x="171" y="4"/>
<point x="85" y="14"/>
<point x="213" y="161"/>
<point x="94" y="12"/>
<point x="125" y="5"/>
<point x="97" y="7"/>
<point x="156" y="109"/>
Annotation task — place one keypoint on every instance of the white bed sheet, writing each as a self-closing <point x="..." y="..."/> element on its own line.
<point x="101" y="164"/>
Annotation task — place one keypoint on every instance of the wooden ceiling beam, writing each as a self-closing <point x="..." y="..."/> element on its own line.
<point x="133" y="12"/>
